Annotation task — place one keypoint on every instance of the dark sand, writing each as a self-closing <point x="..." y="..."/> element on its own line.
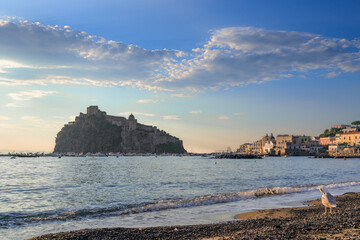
<point x="287" y="223"/>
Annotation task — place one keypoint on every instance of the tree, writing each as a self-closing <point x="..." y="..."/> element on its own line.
<point x="331" y="133"/>
<point x="357" y="123"/>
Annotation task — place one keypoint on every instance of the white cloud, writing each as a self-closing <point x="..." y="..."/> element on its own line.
<point x="196" y="111"/>
<point x="9" y="126"/>
<point x="181" y="95"/>
<point x="4" y="118"/>
<point x="14" y="105"/>
<point x="231" y="57"/>
<point x="224" y="117"/>
<point x="332" y="74"/>
<point x="28" y="95"/>
<point x="6" y="64"/>
<point x="239" y="113"/>
<point x="147" y="101"/>
<point x="33" y="120"/>
<point x="41" y="123"/>
<point x="53" y="49"/>
<point x="171" y="117"/>
<point x="237" y="56"/>
<point x="137" y="113"/>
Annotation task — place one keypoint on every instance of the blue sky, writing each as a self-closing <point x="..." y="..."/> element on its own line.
<point x="213" y="73"/>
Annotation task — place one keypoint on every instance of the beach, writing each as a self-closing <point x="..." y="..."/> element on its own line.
<point x="285" y="223"/>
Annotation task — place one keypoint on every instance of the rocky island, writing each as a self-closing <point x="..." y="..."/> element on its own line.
<point x="96" y="131"/>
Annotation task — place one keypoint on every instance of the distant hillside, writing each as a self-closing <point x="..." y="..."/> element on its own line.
<point x="338" y="129"/>
<point x="331" y="133"/>
<point x="98" y="132"/>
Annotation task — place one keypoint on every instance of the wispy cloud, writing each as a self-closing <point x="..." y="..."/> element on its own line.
<point x="14" y="105"/>
<point x="42" y="124"/>
<point x="171" y="117"/>
<point x="332" y="74"/>
<point x="231" y="57"/>
<point x="9" y="64"/>
<point x="147" y="101"/>
<point x="196" y="111"/>
<point x="224" y="117"/>
<point x="4" y="118"/>
<point x="33" y="120"/>
<point x="137" y="113"/>
<point x="238" y="113"/>
<point x="28" y="95"/>
<point x="181" y="95"/>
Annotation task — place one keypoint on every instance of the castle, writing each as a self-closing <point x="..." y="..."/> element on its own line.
<point x="129" y="124"/>
<point x="130" y="136"/>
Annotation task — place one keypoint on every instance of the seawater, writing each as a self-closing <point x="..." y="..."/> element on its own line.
<point x="44" y="195"/>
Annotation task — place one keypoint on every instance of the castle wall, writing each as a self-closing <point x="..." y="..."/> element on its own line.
<point x="119" y="121"/>
<point x="147" y="128"/>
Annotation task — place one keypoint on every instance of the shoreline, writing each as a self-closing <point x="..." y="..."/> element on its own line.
<point x="284" y="223"/>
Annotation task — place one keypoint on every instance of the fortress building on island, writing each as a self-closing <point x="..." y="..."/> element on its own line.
<point x="95" y="131"/>
<point x="130" y="123"/>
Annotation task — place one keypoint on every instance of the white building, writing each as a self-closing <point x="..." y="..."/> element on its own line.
<point x="268" y="146"/>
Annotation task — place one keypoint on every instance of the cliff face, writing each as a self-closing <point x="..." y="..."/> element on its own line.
<point x="95" y="132"/>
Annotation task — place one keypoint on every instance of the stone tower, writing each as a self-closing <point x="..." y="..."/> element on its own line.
<point x="94" y="110"/>
<point x="132" y="122"/>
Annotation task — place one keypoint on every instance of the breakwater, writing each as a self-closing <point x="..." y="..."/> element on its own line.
<point x="238" y="156"/>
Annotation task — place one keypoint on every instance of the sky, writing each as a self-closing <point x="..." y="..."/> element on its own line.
<point x="213" y="73"/>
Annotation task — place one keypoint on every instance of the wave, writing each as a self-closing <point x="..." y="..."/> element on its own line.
<point x="230" y="197"/>
<point x="63" y="215"/>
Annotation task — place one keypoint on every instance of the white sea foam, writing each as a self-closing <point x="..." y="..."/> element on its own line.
<point x="229" y="197"/>
<point x="174" y="204"/>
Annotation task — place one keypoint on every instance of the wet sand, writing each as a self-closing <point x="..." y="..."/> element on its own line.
<point x="286" y="223"/>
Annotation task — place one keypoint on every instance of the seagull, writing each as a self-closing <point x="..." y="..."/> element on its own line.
<point x="327" y="199"/>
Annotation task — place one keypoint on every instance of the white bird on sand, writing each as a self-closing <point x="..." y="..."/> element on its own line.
<point x="327" y="199"/>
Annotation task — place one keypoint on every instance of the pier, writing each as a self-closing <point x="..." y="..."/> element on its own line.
<point x="238" y="156"/>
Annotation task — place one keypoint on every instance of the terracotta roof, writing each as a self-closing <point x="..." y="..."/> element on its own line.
<point x="349" y="133"/>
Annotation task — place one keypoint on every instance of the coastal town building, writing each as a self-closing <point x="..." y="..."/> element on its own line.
<point x="327" y="140"/>
<point x="295" y="145"/>
<point x="349" y="129"/>
<point x="334" y="148"/>
<point x="245" y="148"/>
<point x="345" y="141"/>
<point x="258" y="146"/>
<point x="283" y="142"/>
<point x="269" y="147"/>
<point x="350" y="138"/>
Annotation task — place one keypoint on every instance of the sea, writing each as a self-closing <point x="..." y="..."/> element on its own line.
<point x="49" y="194"/>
